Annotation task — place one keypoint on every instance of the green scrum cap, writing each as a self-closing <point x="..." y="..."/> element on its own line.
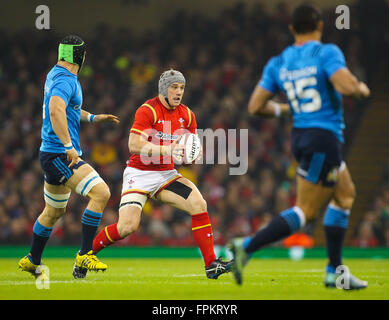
<point x="72" y="49"/>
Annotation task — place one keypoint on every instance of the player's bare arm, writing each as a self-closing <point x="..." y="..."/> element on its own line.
<point x="137" y="144"/>
<point x="57" y="111"/>
<point x="260" y="103"/>
<point x="347" y="84"/>
<point x="89" y="117"/>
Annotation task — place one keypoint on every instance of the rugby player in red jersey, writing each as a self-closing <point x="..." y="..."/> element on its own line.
<point x="158" y="125"/>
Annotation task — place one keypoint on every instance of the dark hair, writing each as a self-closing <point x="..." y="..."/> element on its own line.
<point x="305" y="18"/>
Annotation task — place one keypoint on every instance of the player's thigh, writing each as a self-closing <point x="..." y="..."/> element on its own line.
<point x="183" y="195"/>
<point x="319" y="154"/>
<point x="56" y="189"/>
<point x="87" y="182"/>
<point x="312" y="197"/>
<point x="56" y="199"/>
<point x="79" y="174"/>
<point x="344" y="193"/>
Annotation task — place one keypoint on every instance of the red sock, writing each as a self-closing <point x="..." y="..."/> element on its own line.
<point x="106" y="237"/>
<point x="202" y="233"/>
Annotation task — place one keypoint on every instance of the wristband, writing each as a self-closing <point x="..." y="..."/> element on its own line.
<point x="277" y="109"/>
<point x="68" y="146"/>
<point x="91" y="117"/>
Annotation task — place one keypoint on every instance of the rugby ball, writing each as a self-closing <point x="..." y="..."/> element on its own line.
<point x="192" y="147"/>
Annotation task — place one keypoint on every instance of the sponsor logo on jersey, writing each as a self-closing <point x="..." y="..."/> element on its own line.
<point x="166" y="136"/>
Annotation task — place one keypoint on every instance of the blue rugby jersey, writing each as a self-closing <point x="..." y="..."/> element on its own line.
<point x="64" y="84"/>
<point x="302" y="72"/>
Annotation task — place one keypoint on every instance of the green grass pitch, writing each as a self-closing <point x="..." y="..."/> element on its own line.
<point x="184" y="279"/>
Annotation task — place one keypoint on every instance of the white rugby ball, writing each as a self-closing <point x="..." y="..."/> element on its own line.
<point x="192" y="147"/>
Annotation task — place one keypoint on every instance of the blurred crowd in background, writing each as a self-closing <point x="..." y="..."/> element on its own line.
<point x="373" y="230"/>
<point x="222" y="60"/>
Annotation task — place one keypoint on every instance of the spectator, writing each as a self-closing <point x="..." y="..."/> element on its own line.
<point x="365" y="237"/>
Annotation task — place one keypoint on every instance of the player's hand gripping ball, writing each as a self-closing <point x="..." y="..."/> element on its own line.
<point x="192" y="147"/>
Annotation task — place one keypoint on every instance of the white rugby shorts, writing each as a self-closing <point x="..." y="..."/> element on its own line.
<point x="138" y="185"/>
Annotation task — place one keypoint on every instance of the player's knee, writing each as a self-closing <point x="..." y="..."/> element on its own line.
<point x="53" y="214"/>
<point x="127" y="227"/>
<point x="105" y="194"/>
<point x="197" y="205"/>
<point x="129" y="220"/>
<point x="352" y="193"/>
<point x="100" y="193"/>
<point x="309" y="212"/>
<point x="346" y="201"/>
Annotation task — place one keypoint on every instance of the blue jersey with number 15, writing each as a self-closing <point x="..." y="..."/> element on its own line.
<point x="303" y="73"/>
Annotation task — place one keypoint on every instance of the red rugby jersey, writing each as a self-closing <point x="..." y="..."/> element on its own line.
<point x="160" y="126"/>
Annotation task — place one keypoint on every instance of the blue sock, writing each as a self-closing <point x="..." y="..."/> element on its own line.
<point x="90" y="222"/>
<point x="294" y="217"/>
<point x="39" y="239"/>
<point x="335" y="226"/>
<point x="246" y="242"/>
<point x="280" y="227"/>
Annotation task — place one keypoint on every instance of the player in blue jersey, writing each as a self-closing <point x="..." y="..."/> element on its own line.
<point x="64" y="170"/>
<point x="314" y="76"/>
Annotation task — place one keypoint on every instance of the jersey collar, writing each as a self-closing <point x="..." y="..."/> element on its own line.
<point x="304" y="43"/>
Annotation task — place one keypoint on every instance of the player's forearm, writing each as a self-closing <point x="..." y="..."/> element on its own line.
<point x="86" y="116"/>
<point x="138" y="145"/>
<point x="255" y="108"/>
<point x="259" y="102"/>
<point x="352" y="89"/>
<point x="348" y="85"/>
<point x="273" y="109"/>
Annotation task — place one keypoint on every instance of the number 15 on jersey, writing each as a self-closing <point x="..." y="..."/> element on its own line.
<point x="301" y="95"/>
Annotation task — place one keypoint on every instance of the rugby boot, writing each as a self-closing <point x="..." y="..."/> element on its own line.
<point x="26" y="264"/>
<point x="87" y="262"/>
<point x="217" y="268"/>
<point x="240" y="258"/>
<point x="349" y="282"/>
